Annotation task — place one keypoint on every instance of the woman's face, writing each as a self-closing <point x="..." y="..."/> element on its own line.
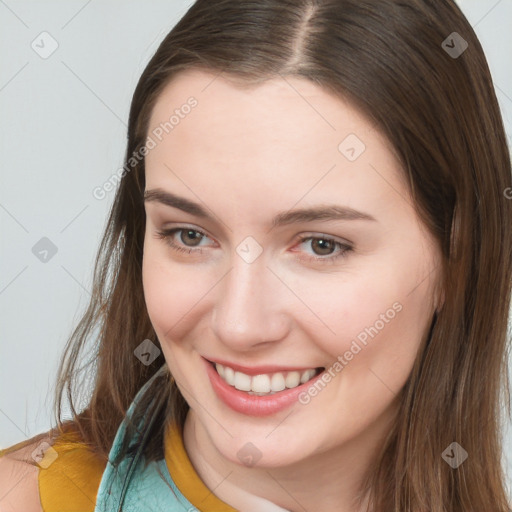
<point x="295" y="247"/>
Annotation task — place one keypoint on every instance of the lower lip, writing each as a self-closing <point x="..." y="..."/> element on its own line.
<point x="253" y="405"/>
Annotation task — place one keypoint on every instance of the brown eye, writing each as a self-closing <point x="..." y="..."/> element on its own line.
<point x="322" y="247"/>
<point x="190" y="237"/>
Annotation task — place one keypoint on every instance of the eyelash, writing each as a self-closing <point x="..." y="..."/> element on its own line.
<point x="167" y="235"/>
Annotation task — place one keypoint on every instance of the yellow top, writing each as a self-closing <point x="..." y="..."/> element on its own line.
<point x="72" y="478"/>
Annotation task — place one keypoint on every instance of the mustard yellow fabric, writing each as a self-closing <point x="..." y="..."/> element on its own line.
<point x="185" y="476"/>
<point x="70" y="483"/>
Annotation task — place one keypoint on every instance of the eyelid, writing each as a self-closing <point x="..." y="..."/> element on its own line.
<point x="323" y="236"/>
<point x="184" y="227"/>
<point x="345" y="245"/>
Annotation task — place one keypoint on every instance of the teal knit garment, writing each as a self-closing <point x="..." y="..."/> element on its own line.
<point x="139" y="489"/>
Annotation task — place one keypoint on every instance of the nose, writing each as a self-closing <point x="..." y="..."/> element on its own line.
<point x="250" y="306"/>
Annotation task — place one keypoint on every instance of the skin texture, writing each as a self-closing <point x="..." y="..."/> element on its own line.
<point x="246" y="154"/>
<point x="19" y="485"/>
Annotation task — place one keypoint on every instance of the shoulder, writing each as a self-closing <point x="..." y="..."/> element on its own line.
<point x="50" y="473"/>
<point x="19" y="489"/>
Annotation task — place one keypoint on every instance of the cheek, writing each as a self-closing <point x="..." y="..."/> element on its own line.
<point x="374" y="319"/>
<point x="172" y="292"/>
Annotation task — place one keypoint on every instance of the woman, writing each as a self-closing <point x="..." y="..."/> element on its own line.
<point x="303" y="288"/>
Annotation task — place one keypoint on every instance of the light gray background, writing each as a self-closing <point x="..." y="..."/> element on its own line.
<point x="63" y="132"/>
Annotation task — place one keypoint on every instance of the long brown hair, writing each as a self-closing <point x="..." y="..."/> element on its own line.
<point x="402" y="65"/>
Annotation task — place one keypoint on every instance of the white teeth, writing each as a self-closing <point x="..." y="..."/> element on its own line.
<point x="220" y="369"/>
<point x="292" y="379"/>
<point x="242" y="381"/>
<point x="307" y="375"/>
<point x="261" y="384"/>
<point x="277" y="382"/>
<point x="229" y="375"/>
<point x="264" y="384"/>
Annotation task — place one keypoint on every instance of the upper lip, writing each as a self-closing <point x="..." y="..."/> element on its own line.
<point x="258" y="370"/>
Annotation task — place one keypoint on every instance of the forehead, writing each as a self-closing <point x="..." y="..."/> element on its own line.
<point x="285" y="109"/>
<point x="286" y="133"/>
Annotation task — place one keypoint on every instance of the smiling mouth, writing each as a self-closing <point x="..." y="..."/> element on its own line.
<point x="266" y="383"/>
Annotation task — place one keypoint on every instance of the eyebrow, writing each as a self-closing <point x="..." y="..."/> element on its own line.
<point x="318" y="213"/>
